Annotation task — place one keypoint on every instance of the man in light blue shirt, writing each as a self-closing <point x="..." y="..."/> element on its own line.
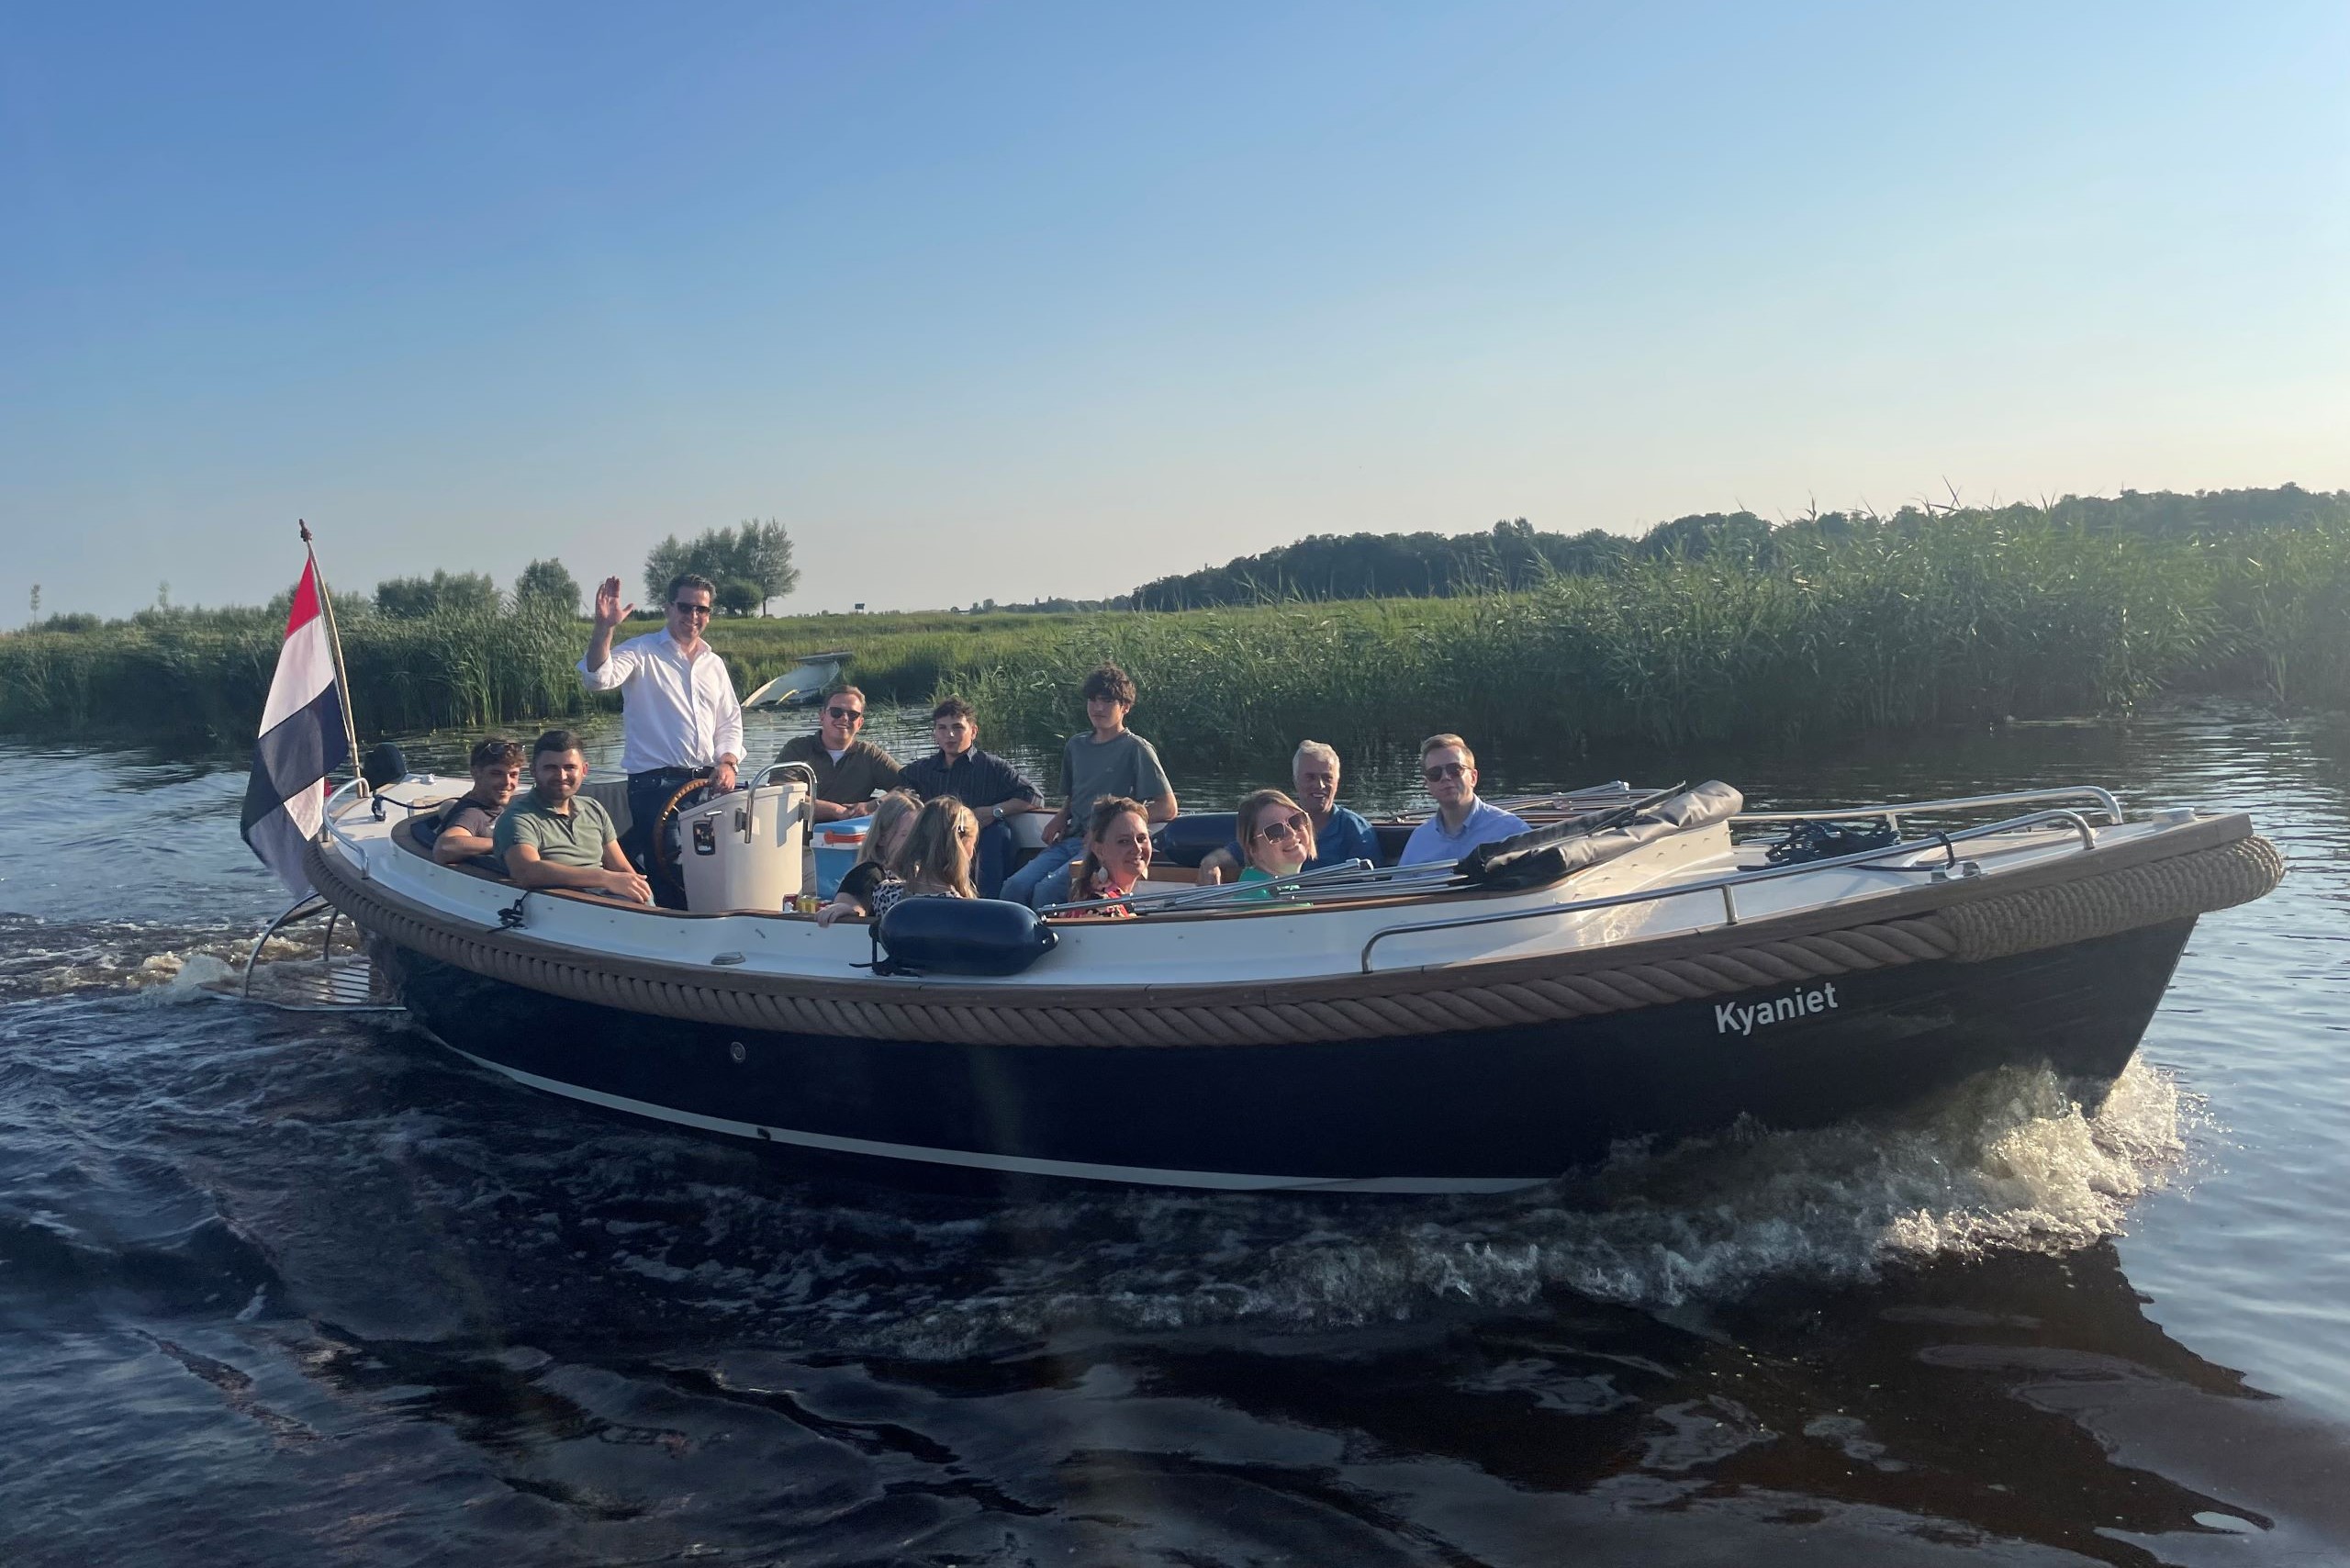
<point x="1461" y="822"/>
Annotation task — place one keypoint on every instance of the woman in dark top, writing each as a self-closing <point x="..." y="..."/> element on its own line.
<point x="873" y="884"/>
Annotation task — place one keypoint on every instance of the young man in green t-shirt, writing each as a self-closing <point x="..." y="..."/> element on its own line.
<point x="1109" y="760"/>
<point x="553" y="836"/>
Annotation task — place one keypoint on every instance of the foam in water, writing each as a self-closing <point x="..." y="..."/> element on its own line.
<point x="467" y="1171"/>
<point x="172" y="979"/>
<point x="41" y="958"/>
<point x="2007" y="1162"/>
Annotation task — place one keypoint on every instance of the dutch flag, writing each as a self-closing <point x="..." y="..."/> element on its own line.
<point x="301" y="741"/>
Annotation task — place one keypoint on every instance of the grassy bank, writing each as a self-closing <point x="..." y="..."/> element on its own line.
<point x="1972" y="618"/>
<point x="1972" y="621"/>
<point x="194" y="678"/>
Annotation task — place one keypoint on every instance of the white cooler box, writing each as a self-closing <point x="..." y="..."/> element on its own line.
<point x="744" y="850"/>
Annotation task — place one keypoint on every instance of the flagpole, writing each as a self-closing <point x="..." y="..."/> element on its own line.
<point x="334" y="641"/>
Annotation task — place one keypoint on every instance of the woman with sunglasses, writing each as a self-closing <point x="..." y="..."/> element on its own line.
<point x="1278" y="838"/>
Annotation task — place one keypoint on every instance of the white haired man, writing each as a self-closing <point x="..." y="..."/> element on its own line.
<point x="1339" y="835"/>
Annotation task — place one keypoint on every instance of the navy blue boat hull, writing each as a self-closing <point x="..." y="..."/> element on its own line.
<point x="1485" y="1106"/>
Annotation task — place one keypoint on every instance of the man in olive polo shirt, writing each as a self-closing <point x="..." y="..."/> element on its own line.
<point x="553" y="836"/>
<point x="849" y="772"/>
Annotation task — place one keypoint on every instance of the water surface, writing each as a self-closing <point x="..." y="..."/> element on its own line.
<point x="276" y="1287"/>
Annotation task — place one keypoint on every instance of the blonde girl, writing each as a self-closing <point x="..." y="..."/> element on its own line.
<point x="876" y="880"/>
<point x="937" y="859"/>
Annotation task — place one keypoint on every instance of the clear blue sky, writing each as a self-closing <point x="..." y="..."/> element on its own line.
<point x="1020" y="299"/>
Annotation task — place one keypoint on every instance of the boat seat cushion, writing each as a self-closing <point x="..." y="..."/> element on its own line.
<point x="410" y="834"/>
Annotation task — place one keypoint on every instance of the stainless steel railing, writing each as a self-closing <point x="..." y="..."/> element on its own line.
<point x="1727" y="885"/>
<point x="333" y="812"/>
<point x="1891" y="813"/>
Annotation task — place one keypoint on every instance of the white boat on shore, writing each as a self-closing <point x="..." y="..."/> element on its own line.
<point x="802" y="684"/>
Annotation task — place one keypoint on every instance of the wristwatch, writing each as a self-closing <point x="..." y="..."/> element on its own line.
<point x="999" y="811"/>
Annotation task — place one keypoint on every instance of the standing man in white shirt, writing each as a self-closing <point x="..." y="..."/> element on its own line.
<point x="679" y="718"/>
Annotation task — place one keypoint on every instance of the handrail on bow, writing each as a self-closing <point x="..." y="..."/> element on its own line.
<point x="1727" y="885"/>
<point x="1892" y="812"/>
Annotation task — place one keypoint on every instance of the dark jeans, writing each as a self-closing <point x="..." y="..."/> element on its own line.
<point x="994" y="859"/>
<point x="647" y="793"/>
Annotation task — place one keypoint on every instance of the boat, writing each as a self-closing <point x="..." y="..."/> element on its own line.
<point x="1640" y="965"/>
<point x="803" y="684"/>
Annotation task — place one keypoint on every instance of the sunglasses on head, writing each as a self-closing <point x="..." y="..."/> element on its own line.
<point x="1287" y="827"/>
<point x="844" y="712"/>
<point x="1443" y="771"/>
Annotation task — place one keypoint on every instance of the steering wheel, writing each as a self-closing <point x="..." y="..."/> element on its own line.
<point x="664" y="849"/>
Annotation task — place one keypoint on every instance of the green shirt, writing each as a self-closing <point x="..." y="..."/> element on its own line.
<point x="576" y="838"/>
<point x="863" y="771"/>
<point x="1264" y="891"/>
<point x="1125" y="764"/>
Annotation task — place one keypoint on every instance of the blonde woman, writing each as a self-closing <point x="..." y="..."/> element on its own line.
<point x="1276" y="835"/>
<point x="936" y="862"/>
<point x="875" y="882"/>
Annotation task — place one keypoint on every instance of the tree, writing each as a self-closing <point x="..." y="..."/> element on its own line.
<point x="763" y="558"/>
<point x="738" y="596"/>
<point x="410" y="598"/>
<point x="663" y="562"/>
<point x="759" y="554"/>
<point x="546" y="582"/>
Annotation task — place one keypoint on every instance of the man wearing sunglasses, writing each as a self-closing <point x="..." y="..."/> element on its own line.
<point x="1461" y="822"/>
<point x="849" y="772"/>
<point x="680" y="716"/>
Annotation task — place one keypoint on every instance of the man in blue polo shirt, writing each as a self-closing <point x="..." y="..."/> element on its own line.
<point x="1339" y="835"/>
<point x="1461" y="822"/>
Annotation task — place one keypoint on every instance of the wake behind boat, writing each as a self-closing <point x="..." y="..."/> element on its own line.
<point x="1638" y="968"/>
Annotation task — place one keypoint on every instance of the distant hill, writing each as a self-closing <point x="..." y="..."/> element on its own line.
<point x="1515" y="554"/>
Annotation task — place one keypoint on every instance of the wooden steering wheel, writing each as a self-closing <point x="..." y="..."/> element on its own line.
<point x="663" y="846"/>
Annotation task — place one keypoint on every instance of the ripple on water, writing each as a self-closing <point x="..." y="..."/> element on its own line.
<point x="309" y="1283"/>
<point x="407" y="1192"/>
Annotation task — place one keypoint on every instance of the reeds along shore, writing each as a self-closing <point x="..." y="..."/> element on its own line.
<point x="1970" y="619"/>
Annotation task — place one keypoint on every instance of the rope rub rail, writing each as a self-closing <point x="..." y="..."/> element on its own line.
<point x="2217" y="864"/>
